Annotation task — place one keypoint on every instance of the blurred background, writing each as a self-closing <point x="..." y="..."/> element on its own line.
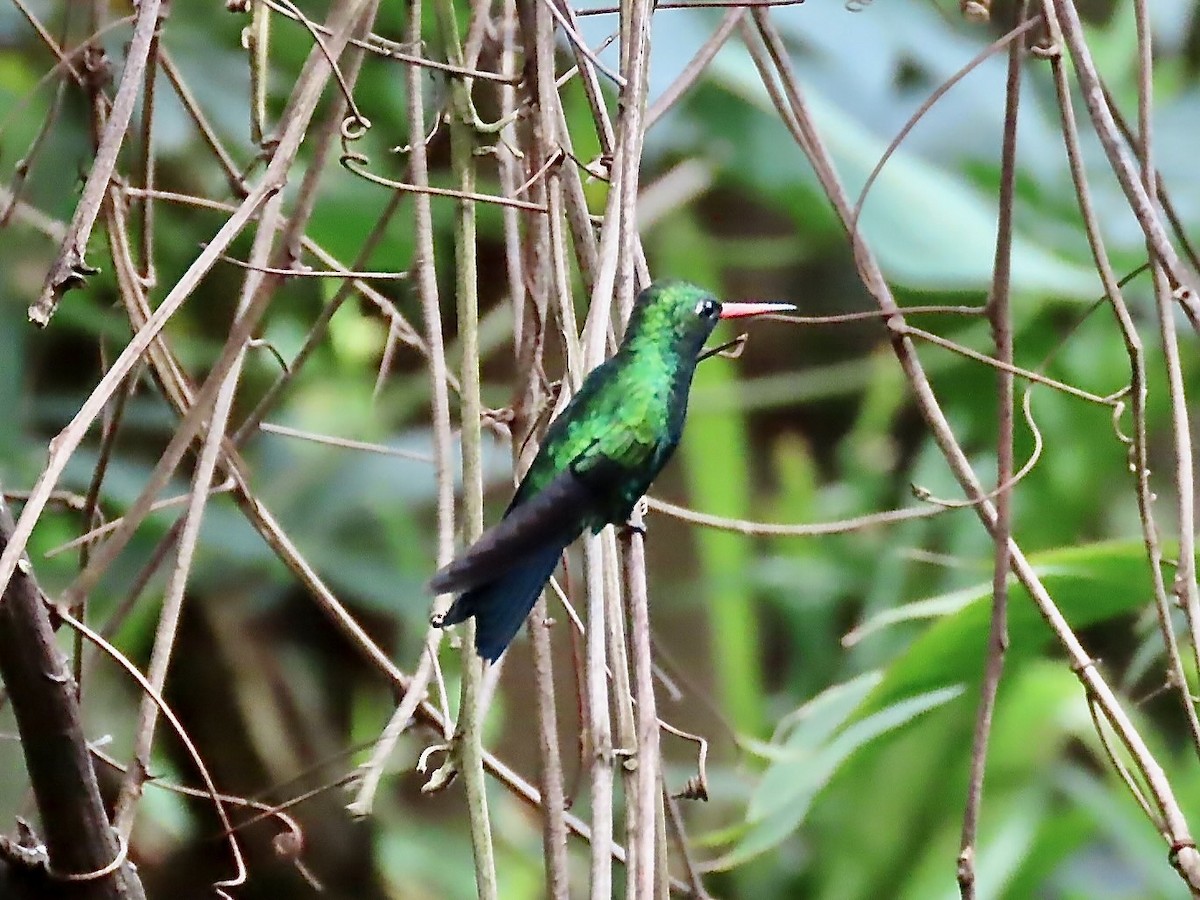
<point x="835" y="677"/>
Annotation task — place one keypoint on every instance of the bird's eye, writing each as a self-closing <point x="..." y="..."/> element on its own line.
<point x="706" y="309"/>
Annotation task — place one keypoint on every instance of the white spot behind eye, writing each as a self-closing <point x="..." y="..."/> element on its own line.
<point x="704" y="308"/>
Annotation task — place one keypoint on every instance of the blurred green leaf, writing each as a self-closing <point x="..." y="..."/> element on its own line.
<point x="789" y="785"/>
<point x="1089" y="584"/>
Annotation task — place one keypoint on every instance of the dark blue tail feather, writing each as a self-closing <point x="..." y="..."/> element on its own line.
<point x="500" y="606"/>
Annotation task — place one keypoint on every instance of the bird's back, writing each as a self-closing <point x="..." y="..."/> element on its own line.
<point x="623" y="415"/>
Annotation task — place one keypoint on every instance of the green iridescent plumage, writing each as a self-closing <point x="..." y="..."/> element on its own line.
<point x="596" y="459"/>
<point x="630" y="410"/>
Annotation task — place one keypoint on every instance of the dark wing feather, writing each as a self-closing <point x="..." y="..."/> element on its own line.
<point x="553" y="517"/>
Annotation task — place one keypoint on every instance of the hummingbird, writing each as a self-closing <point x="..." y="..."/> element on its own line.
<point x="598" y="457"/>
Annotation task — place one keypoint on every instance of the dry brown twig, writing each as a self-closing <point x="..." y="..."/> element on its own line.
<point x="69" y="269"/>
<point x="1000" y="310"/>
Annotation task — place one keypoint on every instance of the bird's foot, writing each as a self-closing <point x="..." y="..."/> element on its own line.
<point x="636" y="523"/>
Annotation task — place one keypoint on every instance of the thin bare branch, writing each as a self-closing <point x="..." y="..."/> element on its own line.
<point x="1070" y="28"/>
<point x="1178" y="835"/>
<point x="468" y="747"/>
<point x="1000" y="315"/>
<point x="816" y="529"/>
<point x="1138" y="390"/>
<point x="69" y="269"/>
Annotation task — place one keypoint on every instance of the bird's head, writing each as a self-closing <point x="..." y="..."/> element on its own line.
<point x="682" y="315"/>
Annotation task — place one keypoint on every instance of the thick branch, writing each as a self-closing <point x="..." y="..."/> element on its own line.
<point x="77" y="833"/>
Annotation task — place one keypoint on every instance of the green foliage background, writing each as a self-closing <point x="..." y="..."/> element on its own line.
<point x="838" y="767"/>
